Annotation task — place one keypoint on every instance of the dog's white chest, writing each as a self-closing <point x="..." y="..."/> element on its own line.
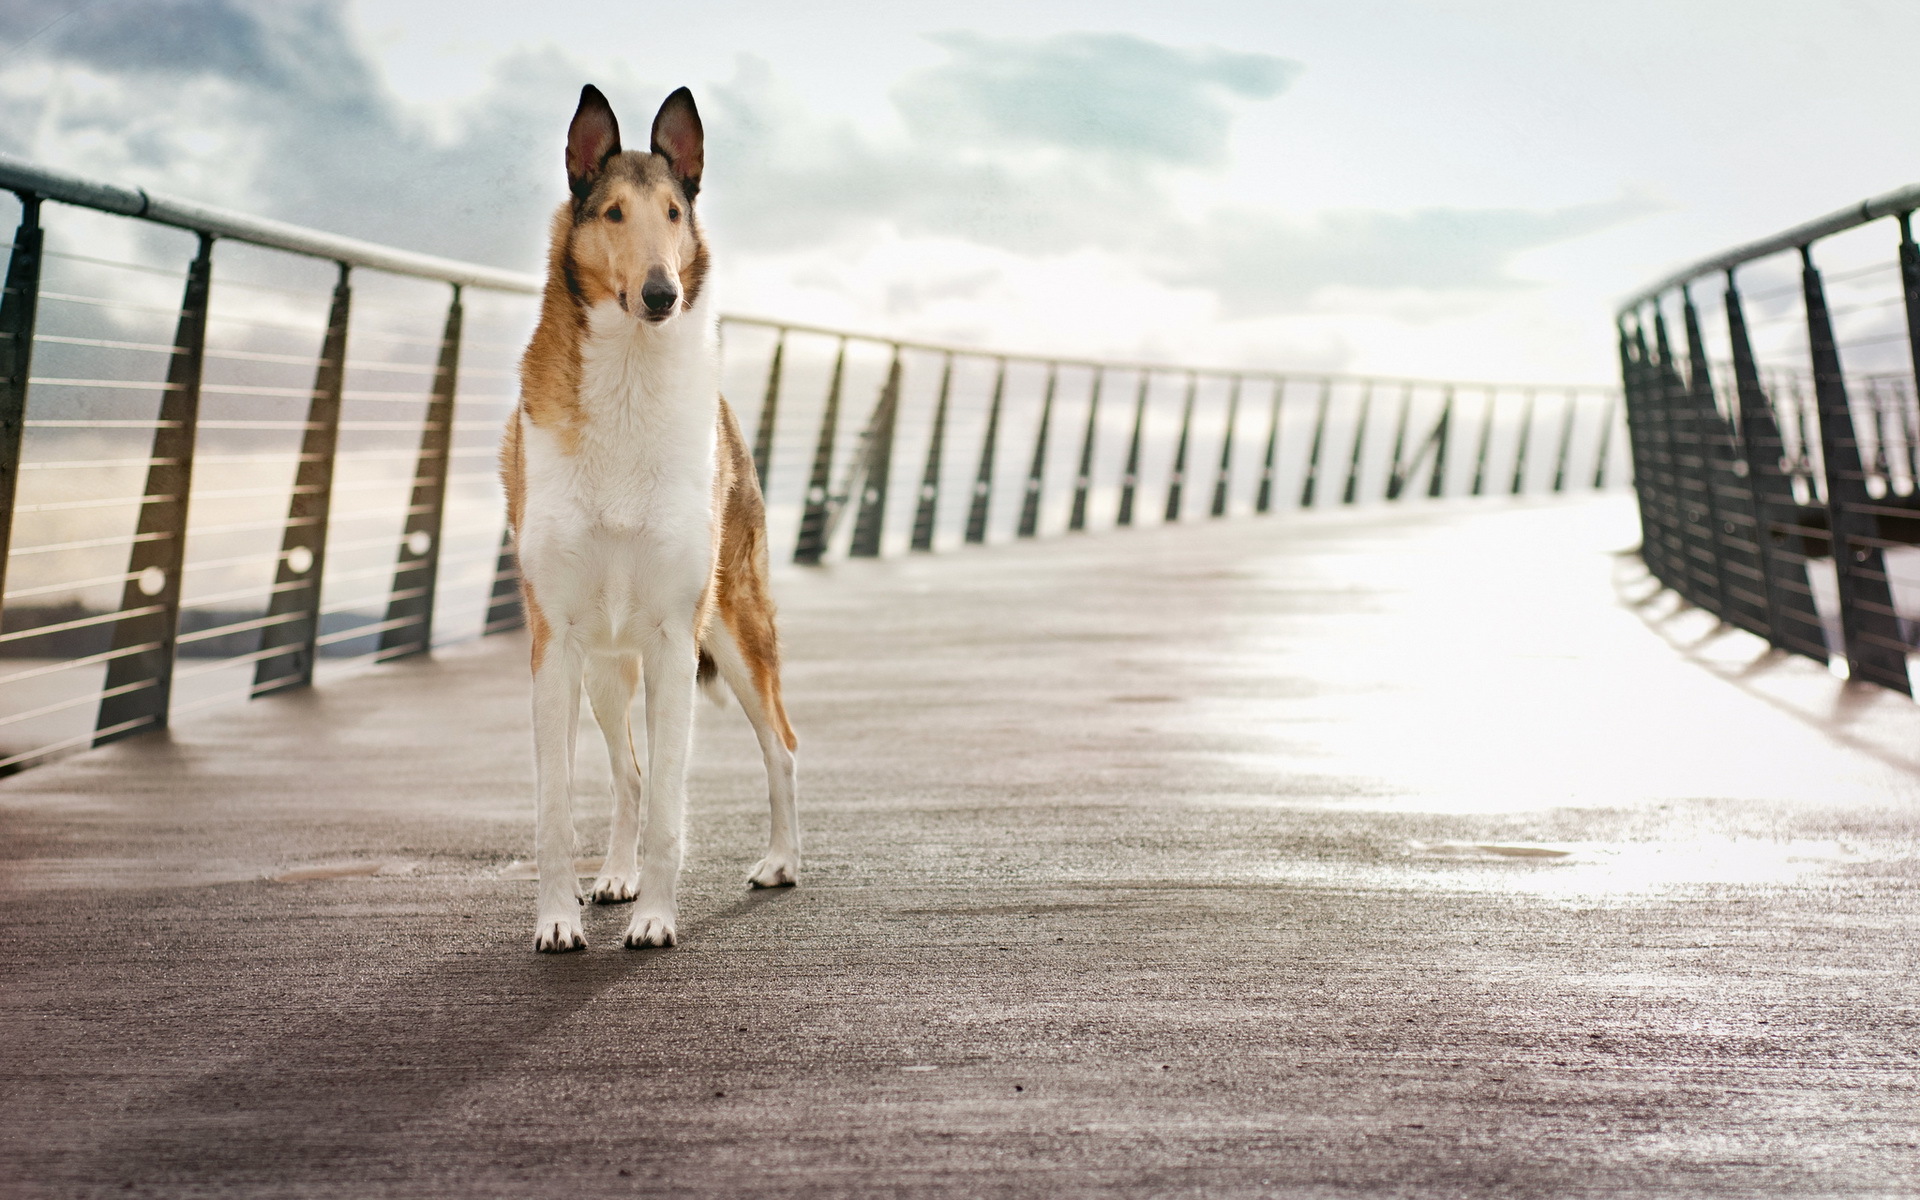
<point x="619" y="525"/>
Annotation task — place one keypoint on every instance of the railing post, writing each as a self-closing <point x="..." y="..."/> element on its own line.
<point x="1692" y="496"/>
<point x="303" y="547"/>
<point x="769" y="409"/>
<point x="1876" y="651"/>
<point x="1083" y="479"/>
<point x="1437" y="482"/>
<point x="1130" y="478"/>
<point x="1654" y="467"/>
<point x="1036" y="474"/>
<point x="983" y="480"/>
<point x="1319" y="435"/>
<point x="504" y="610"/>
<point x="1520" y="455"/>
<point x="1566" y="444"/>
<point x="1177" y="481"/>
<point x="1733" y="522"/>
<point x="1263" y="502"/>
<point x="1224" y="480"/>
<point x="1910" y="286"/>
<point x="1396" y="480"/>
<point x="139" y="685"/>
<point x="1351" y="491"/>
<point x="877" y="469"/>
<point x="1606" y="445"/>
<point x="1486" y="444"/>
<point x="409" y="624"/>
<point x="17" y="309"/>
<point x="812" y="542"/>
<point x="930" y="478"/>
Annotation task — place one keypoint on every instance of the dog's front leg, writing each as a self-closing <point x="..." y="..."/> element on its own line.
<point x="668" y="664"/>
<point x="556" y="724"/>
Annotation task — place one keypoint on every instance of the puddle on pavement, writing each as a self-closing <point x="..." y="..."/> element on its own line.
<point x="1588" y="869"/>
<point x="360" y="868"/>
<point x="522" y="869"/>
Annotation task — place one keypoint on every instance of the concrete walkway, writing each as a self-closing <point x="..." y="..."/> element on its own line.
<point x="1399" y="854"/>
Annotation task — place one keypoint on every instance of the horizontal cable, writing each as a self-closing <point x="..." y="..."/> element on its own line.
<point x="90" y="660"/>
<point x="76" y="702"/>
<point x="77" y="740"/>
<point x="111" y="262"/>
<point x="125" y="539"/>
<point x="95" y="464"/>
<point x="38" y="423"/>
<point x="72" y="586"/>
<point x="60" y="339"/>
<point x="71" y="505"/>
<point x="247" y="593"/>
<point x="142" y="385"/>
<point x="224" y="664"/>
<point x="21" y="635"/>
<point x="266" y="622"/>
<point x="98" y="302"/>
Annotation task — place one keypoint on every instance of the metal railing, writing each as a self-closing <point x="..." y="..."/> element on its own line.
<point x="289" y="472"/>
<point x="1776" y="465"/>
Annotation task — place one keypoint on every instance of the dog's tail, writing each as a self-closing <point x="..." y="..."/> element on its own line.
<point x="708" y="675"/>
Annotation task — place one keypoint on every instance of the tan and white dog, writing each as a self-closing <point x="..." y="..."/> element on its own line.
<point x="639" y="523"/>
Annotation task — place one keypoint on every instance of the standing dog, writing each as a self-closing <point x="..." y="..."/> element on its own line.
<point x="638" y="521"/>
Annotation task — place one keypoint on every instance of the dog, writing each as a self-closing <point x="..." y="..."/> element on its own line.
<point x="639" y="525"/>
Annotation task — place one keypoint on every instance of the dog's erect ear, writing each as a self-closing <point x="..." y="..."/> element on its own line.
<point x="592" y="139"/>
<point x="677" y="134"/>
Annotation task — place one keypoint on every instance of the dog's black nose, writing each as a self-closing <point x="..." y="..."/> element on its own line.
<point x="659" y="295"/>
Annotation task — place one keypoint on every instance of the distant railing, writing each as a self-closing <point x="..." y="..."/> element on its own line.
<point x="1781" y="497"/>
<point x="337" y="450"/>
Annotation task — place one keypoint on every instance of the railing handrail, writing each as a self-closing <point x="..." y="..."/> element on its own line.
<point x="1900" y="200"/>
<point x="19" y="175"/>
<point x="1160" y="368"/>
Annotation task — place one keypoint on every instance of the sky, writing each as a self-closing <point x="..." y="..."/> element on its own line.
<point x="1448" y="189"/>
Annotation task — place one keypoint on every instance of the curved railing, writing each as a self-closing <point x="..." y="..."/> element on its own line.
<point x="224" y="485"/>
<point x="1776" y="465"/>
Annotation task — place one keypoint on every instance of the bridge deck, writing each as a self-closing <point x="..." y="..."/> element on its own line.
<point x="1391" y="853"/>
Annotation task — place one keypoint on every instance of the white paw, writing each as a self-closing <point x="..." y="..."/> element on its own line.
<point x="649" y="931"/>
<point x="558" y="935"/>
<point x="616" y="889"/>
<point x="775" y="870"/>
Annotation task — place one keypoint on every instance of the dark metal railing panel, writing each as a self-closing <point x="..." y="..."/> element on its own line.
<point x="18" y="306"/>
<point x="813" y="522"/>
<point x="876" y="469"/>
<point x="139" y="683"/>
<point x="409" y="621"/>
<point x="303" y="547"/>
<point x="1083" y="476"/>
<point x="1223" y="479"/>
<point x="1876" y="651"/>
<point x="982" y="497"/>
<point x="1742" y="510"/>
<point x="1130" y="477"/>
<point x="1037" y="471"/>
<point x="928" y="507"/>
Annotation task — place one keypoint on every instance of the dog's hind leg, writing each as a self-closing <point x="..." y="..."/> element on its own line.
<point x="556" y="724"/>
<point x="757" y="685"/>
<point x="611" y="680"/>
<point x="667" y="664"/>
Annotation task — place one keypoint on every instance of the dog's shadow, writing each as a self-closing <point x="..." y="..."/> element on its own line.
<point x="329" y="1087"/>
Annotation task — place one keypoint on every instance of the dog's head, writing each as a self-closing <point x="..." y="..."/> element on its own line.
<point x="633" y="240"/>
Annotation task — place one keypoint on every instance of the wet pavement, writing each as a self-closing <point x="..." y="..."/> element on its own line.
<point x="1400" y="854"/>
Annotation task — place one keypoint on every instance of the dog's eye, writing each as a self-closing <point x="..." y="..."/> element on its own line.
<point x="613" y="214"/>
<point x="673" y="213"/>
